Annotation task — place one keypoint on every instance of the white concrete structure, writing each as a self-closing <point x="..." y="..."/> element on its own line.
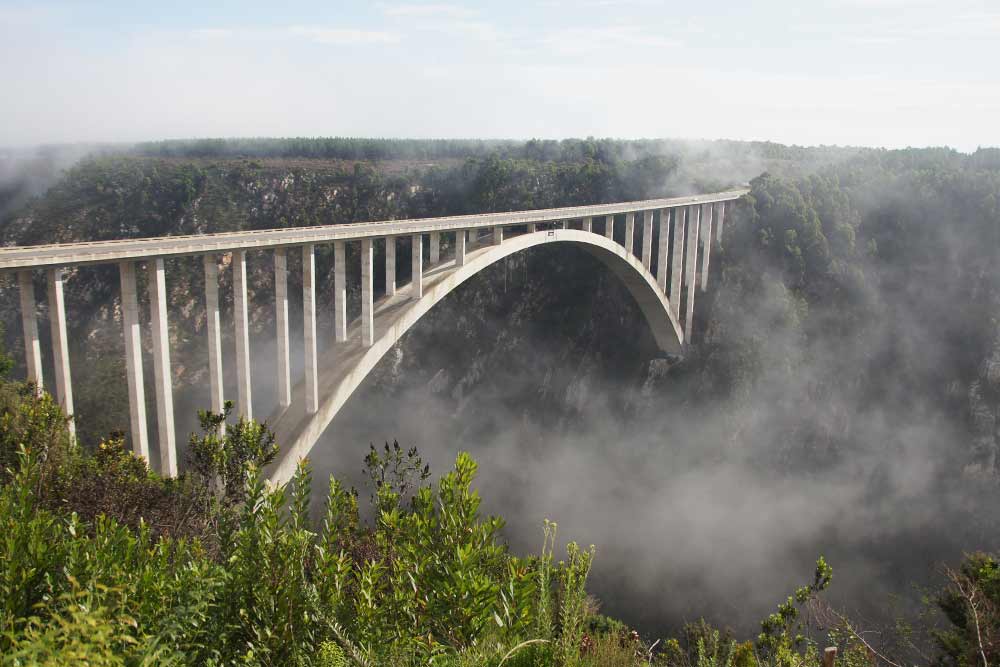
<point x="29" y="327"/>
<point x="311" y="382"/>
<point x="163" y="380"/>
<point x="213" y="326"/>
<point x="132" y="331"/>
<point x="390" y="265"/>
<point x="244" y="390"/>
<point x="60" y="344"/>
<point x="284" y="361"/>
<point x="305" y="408"/>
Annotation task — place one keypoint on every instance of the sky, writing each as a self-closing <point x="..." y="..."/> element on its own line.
<point x="891" y="73"/>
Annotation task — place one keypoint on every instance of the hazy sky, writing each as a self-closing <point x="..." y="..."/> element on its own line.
<point x="873" y="72"/>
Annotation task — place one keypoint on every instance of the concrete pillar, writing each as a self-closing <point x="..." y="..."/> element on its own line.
<point x="647" y="239"/>
<point x="677" y="261"/>
<point x="417" y="266"/>
<point x="497" y="235"/>
<point x="609" y="226"/>
<point x="29" y="325"/>
<point x="630" y="233"/>
<point x="214" y="327"/>
<point x="339" y="291"/>
<point x="435" y="251"/>
<point x="132" y="330"/>
<point x="532" y="227"/>
<point x="244" y="396"/>
<point x="367" y="289"/>
<point x="281" y="326"/>
<point x="662" y="248"/>
<point x="161" y="368"/>
<point x="460" y="248"/>
<point x="309" y="327"/>
<point x="691" y="267"/>
<point x="720" y="216"/>
<point x="390" y="265"/>
<point x="588" y="224"/>
<point x="706" y="242"/>
<point x="60" y="345"/>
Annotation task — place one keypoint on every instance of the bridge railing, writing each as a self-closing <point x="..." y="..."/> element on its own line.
<point x="687" y="229"/>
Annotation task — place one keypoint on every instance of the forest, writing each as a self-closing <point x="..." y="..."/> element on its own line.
<point x="839" y="414"/>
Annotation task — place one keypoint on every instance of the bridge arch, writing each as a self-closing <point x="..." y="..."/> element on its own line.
<point x="345" y="366"/>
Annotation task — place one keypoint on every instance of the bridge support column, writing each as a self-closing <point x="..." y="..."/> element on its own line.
<point x="720" y="216"/>
<point x="161" y="368"/>
<point x="390" y="265"/>
<point x="691" y="267"/>
<point x="132" y="330"/>
<point x="417" y="266"/>
<point x="677" y="262"/>
<point x="662" y="248"/>
<point x="460" y="248"/>
<point x="497" y="235"/>
<point x="244" y="396"/>
<point x="281" y="325"/>
<point x="647" y="239"/>
<point x="339" y="291"/>
<point x="309" y="326"/>
<point x="609" y="226"/>
<point x="367" y="299"/>
<point x="214" y="328"/>
<point x="435" y="251"/>
<point x="706" y="242"/>
<point x="29" y="325"/>
<point x="588" y="224"/>
<point x="630" y="233"/>
<point x="60" y="345"/>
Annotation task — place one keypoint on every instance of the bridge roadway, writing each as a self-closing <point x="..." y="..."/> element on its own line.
<point x="688" y="228"/>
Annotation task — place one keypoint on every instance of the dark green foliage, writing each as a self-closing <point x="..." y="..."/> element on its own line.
<point x="971" y="604"/>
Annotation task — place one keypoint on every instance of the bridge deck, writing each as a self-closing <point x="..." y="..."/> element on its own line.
<point x="98" y="252"/>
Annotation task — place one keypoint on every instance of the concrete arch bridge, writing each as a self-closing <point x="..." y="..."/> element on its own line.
<point x="661" y="280"/>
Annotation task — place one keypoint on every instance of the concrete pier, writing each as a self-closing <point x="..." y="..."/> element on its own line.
<point x="706" y="243"/>
<point x="60" y="345"/>
<point x="281" y="327"/>
<point x="390" y="265"/>
<point x="161" y="368"/>
<point x="417" y="266"/>
<point x="663" y="247"/>
<point x="532" y="227"/>
<point x="609" y="226"/>
<point x="691" y="267"/>
<point x="244" y="395"/>
<point x="29" y="327"/>
<point x="630" y="233"/>
<point x="647" y="239"/>
<point x="213" y="325"/>
<point x="367" y="289"/>
<point x="497" y="235"/>
<point x="460" y="247"/>
<point x="677" y="261"/>
<point x="588" y="224"/>
<point x="720" y="216"/>
<point x="309" y="327"/>
<point x="339" y="291"/>
<point x="435" y="248"/>
<point x="132" y="331"/>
